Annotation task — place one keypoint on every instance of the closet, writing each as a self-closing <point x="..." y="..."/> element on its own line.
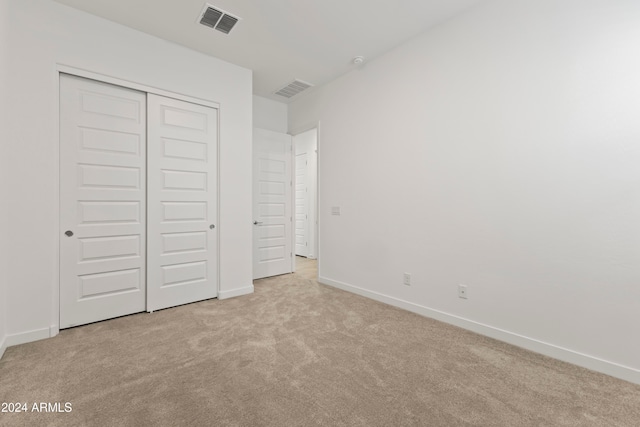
<point x="138" y="201"/>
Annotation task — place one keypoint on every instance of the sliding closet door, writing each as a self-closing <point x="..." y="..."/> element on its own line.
<point x="102" y="201"/>
<point x="182" y="202"/>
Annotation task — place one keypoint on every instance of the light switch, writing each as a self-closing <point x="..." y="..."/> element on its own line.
<point x="335" y="210"/>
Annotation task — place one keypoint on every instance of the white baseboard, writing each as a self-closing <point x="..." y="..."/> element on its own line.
<point x="53" y="330"/>
<point x="235" y="292"/>
<point x="25" y="337"/>
<point x="3" y="346"/>
<point x="566" y="355"/>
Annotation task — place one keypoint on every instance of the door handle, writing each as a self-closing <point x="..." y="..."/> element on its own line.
<point x="257" y="222"/>
<point x="212" y="226"/>
<point x="68" y="233"/>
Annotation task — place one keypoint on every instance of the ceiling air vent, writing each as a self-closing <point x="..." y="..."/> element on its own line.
<point x="293" y="88"/>
<point x="226" y="23"/>
<point x="214" y="17"/>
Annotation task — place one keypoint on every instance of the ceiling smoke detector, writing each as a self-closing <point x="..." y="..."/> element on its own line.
<point x="293" y="88"/>
<point x="214" y="17"/>
<point x="358" y="60"/>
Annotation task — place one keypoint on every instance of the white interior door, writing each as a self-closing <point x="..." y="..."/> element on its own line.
<point x="102" y="201"/>
<point x="302" y="205"/>
<point x="182" y="199"/>
<point x="272" y="211"/>
<point x="305" y="145"/>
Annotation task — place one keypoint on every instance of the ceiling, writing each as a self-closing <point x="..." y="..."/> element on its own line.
<point x="282" y="40"/>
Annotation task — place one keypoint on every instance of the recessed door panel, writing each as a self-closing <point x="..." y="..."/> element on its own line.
<point x="272" y="210"/>
<point x="272" y="254"/>
<point x="184" y="180"/>
<point x="182" y="149"/>
<point x="173" y="243"/>
<point x="109" y="141"/>
<point x="93" y="249"/>
<point x="109" y="212"/>
<point x="187" y="118"/>
<point x="271" y="188"/>
<point x="272" y="167"/>
<point x="183" y="211"/>
<point x="111" y="283"/>
<point x="272" y="231"/>
<point x="101" y="176"/>
<point x="102" y="201"/>
<point x="184" y="274"/>
<point x="106" y="105"/>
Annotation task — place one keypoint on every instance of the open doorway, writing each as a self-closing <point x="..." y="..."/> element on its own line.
<point x="306" y="201"/>
<point x="306" y="268"/>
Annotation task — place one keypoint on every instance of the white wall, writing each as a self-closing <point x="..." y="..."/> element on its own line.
<point x="3" y="176"/>
<point x="44" y="33"/>
<point x="500" y="150"/>
<point x="269" y="114"/>
<point x="307" y="142"/>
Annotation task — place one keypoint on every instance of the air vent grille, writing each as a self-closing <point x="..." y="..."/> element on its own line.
<point x="210" y="17"/>
<point x="218" y="19"/>
<point x="226" y="24"/>
<point x="293" y="88"/>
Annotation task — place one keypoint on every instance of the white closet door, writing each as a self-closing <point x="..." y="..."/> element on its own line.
<point x="102" y="201"/>
<point x="182" y="199"/>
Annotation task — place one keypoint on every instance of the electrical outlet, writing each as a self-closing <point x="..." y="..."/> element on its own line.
<point x="407" y="279"/>
<point x="462" y="291"/>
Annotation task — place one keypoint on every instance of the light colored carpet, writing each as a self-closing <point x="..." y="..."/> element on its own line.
<point x="296" y="353"/>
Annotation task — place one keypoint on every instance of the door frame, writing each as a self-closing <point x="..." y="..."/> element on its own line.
<point x="54" y="328"/>
<point x="297" y="131"/>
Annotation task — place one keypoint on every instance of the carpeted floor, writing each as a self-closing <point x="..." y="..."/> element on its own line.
<point x="296" y="353"/>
